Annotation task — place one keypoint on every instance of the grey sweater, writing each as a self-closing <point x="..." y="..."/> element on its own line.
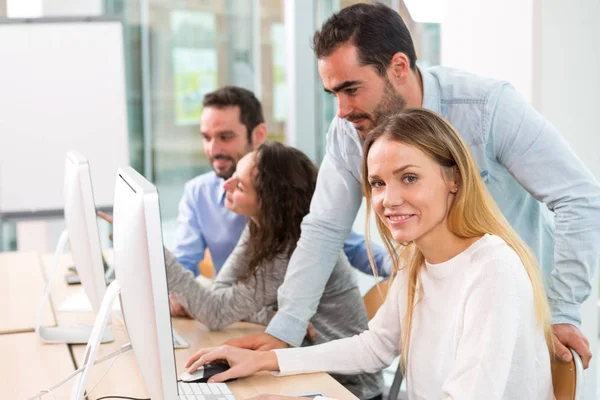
<point x="232" y="298"/>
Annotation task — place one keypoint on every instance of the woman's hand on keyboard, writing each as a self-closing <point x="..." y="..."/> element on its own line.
<point x="241" y="362"/>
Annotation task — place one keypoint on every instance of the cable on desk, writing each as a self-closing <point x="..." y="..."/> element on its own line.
<point x="125" y="348"/>
<point x="123" y="397"/>
<point x="105" y="373"/>
<point x="48" y="392"/>
<point x="41" y="393"/>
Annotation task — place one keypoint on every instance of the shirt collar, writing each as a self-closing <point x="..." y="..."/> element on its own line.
<point x="431" y="91"/>
<point x="219" y="189"/>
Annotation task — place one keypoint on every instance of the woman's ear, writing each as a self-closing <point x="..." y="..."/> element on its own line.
<point x="259" y="135"/>
<point x="454" y="179"/>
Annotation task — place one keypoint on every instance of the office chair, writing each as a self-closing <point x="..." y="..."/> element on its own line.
<point x="375" y="297"/>
<point x="206" y="267"/>
<point x="567" y="378"/>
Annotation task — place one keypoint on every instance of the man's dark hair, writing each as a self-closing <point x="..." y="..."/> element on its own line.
<point x="377" y="31"/>
<point x="251" y="114"/>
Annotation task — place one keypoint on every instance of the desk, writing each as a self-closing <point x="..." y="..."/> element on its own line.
<point x="29" y="366"/>
<point x="22" y="287"/>
<point x="198" y="336"/>
<point x="61" y="291"/>
<point x="124" y="377"/>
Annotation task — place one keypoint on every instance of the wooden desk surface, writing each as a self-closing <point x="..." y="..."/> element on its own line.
<point x="61" y="291"/>
<point x="22" y="286"/>
<point x="199" y="336"/>
<point x="29" y="366"/>
<point x="124" y="377"/>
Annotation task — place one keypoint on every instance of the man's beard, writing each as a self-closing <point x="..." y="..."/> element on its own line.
<point x="390" y="103"/>
<point x="228" y="172"/>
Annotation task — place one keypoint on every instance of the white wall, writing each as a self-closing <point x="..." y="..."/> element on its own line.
<point x="490" y="38"/>
<point x="53" y="8"/>
<point x="24" y="8"/>
<point x="567" y="85"/>
<point x="567" y="92"/>
<point x="548" y="49"/>
<point x="43" y="235"/>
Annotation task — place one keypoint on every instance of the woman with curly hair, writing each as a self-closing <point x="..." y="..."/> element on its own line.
<point x="273" y="187"/>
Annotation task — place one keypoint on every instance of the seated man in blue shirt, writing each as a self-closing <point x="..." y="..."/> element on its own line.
<point x="232" y="124"/>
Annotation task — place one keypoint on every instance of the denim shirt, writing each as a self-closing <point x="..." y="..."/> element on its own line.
<point x="204" y="222"/>
<point x="543" y="189"/>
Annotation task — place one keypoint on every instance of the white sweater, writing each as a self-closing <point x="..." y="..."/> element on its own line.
<point x="474" y="334"/>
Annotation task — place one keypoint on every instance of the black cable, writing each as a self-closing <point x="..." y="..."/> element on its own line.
<point x="123" y="397"/>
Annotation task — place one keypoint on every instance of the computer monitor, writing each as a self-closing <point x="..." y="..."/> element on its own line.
<point x="140" y="270"/>
<point x="82" y="226"/>
<point x="141" y="281"/>
<point x="82" y="233"/>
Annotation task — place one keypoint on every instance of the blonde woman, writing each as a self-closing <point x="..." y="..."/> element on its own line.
<point x="467" y="305"/>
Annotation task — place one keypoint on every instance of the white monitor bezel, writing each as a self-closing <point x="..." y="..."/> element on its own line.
<point x="159" y="373"/>
<point x="82" y="227"/>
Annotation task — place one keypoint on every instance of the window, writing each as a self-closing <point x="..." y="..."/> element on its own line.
<point x="178" y="51"/>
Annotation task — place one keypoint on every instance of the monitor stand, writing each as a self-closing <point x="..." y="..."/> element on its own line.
<point x="63" y="334"/>
<point x="98" y="331"/>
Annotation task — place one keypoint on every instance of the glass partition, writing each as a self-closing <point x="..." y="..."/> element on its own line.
<point x="179" y="51"/>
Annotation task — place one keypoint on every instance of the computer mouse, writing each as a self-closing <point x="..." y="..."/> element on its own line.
<point x="203" y="373"/>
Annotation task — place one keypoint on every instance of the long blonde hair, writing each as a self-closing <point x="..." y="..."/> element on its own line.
<point x="473" y="212"/>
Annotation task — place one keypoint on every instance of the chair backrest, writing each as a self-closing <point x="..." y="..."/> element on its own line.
<point x="206" y="266"/>
<point x="375" y="297"/>
<point x="567" y="378"/>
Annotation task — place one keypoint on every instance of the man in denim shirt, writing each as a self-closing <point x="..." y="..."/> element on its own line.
<point x="366" y="58"/>
<point x="231" y="125"/>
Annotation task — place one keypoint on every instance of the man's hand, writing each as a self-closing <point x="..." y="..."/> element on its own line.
<point x="261" y="341"/>
<point x="567" y="335"/>
<point x="177" y="309"/>
<point x="108" y="218"/>
<point x="311" y="332"/>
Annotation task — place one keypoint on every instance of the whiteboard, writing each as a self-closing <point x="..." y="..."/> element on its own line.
<point x="62" y="87"/>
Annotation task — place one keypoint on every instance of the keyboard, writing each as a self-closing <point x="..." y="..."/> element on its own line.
<point x="204" y="391"/>
<point x="178" y="341"/>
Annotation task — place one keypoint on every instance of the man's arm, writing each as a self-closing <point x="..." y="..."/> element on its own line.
<point x="189" y="240"/>
<point x="544" y="164"/>
<point x="355" y="248"/>
<point x="337" y="197"/>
